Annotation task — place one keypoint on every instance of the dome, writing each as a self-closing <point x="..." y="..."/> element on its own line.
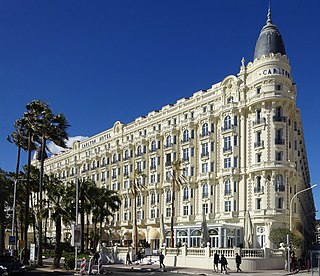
<point x="269" y="41"/>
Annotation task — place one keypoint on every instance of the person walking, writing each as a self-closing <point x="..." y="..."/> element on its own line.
<point x="238" y="262"/>
<point x="161" y="259"/>
<point x="216" y="259"/>
<point x="128" y="260"/>
<point x="224" y="263"/>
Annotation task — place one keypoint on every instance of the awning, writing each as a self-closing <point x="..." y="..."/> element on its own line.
<point x="142" y="235"/>
<point x="127" y="236"/>
<point x="154" y="234"/>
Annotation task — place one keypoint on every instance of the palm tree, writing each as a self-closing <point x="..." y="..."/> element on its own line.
<point x="86" y="196"/>
<point x="176" y="179"/>
<point x="106" y="203"/>
<point x="58" y="203"/>
<point x="49" y="127"/>
<point x="137" y="185"/>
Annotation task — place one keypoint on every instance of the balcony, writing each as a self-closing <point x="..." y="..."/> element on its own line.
<point x="185" y="158"/>
<point x="204" y="154"/>
<point x="204" y="134"/>
<point x="153" y="167"/>
<point x="138" y="154"/>
<point x="279" y="118"/>
<point x="183" y="141"/>
<point x="259" y="121"/>
<point x="126" y="158"/>
<point x="167" y="163"/>
<point x="227" y="128"/>
<point x="185" y="198"/>
<point x="228" y="192"/>
<point x="259" y="144"/>
<point x="229" y="148"/>
<point x="258" y="190"/>
<point x="205" y="195"/>
<point x="168" y="145"/>
<point x="278" y="141"/>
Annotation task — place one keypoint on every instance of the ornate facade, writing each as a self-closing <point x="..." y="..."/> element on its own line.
<point x="242" y="151"/>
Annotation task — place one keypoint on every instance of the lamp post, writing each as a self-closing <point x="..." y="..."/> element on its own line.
<point x="291" y="201"/>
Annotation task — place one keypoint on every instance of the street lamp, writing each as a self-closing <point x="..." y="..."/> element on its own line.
<point x="291" y="201"/>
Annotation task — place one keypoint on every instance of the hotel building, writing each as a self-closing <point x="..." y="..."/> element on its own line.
<point x="242" y="152"/>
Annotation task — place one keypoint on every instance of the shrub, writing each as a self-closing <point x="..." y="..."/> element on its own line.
<point x="69" y="262"/>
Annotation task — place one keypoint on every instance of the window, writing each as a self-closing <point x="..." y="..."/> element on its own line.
<point x="205" y="208"/>
<point x="152" y="213"/>
<point x="227" y="163"/>
<point x="168" y="212"/>
<point x="205" y="190"/>
<point x="152" y="163"/>
<point x="185" y="154"/>
<point x="186" y="193"/>
<point x="205" y="130"/>
<point x="235" y="162"/>
<point x="139" y="217"/>
<point x="235" y="140"/>
<point x="258" y="157"/>
<point x="279" y="202"/>
<point x="227" y="206"/>
<point x="139" y="202"/>
<point x="168" y="141"/>
<point x="204" y="149"/>
<point x="227" y="122"/>
<point x="258" y="203"/>
<point x="227" y="187"/>
<point x="153" y="145"/>
<point x="278" y="87"/>
<point x="227" y="143"/>
<point x="168" y="196"/>
<point x="186" y="136"/>
<point x="139" y="151"/>
<point x="279" y="155"/>
<point x="258" y="90"/>
<point x="185" y="210"/>
<point x="153" y="198"/>
<point x="279" y="183"/>
<point x="204" y="167"/>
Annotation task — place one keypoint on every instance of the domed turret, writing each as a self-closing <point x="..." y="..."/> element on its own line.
<point x="269" y="41"/>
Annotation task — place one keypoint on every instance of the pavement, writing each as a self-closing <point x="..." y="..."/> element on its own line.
<point x="192" y="271"/>
<point x="154" y="266"/>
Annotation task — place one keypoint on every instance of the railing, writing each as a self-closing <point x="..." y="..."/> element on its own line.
<point x="228" y="253"/>
<point x="278" y="118"/>
<point x="252" y="253"/>
<point x="280" y="188"/>
<point x="173" y="251"/>
<point x="195" y="252"/>
<point x="278" y="141"/>
<point x="258" y="189"/>
<point x="259" y="121"/>
<point x="229" y="148"/>
<point x="259" y="144"/>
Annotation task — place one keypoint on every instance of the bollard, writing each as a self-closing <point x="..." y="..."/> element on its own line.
<point x="90" y="266"/>
<point x="83" y="266"/>
<point x="99" y="265"/>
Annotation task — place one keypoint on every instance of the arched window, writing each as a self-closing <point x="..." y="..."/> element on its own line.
<point x="139" y="150"/>
<point x="139" y="200"/>
<point x="93" y="164"/>
<point x="168" y="196"/>
<point x="185" y="193"/>
<point x="205" y="190"/>
<point x="126" y="154"/>
<point x="168" y="141"/>
<point x="205" y="129"/>
<point x="103" y="161"/>
<point x="126" y="202"/>
<point x="227" y="187"/>
<point x="227" y="122"/>
<point x="153" y="145"/>
<point x="114" y="158"/>
<point x="185" y="135"/>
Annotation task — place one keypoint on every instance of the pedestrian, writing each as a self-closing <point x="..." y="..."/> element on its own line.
<point x="139" y="257"/>
<point x="161" y="259"/>
<point x="96" y="257"/>
<point x="224" y="263"/>
<point x="128" y="260"/>
<point x="216" y="260"/>
<point x="238" y="262"/>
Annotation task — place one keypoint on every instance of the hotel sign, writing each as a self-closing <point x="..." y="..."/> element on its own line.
<point x="275" y="71"/>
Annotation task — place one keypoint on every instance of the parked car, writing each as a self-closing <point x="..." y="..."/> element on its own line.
<point x="3" y="271"/>
<point x="12" y="266"/>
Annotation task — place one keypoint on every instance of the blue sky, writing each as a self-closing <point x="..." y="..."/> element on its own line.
<point x="107" y="60"/>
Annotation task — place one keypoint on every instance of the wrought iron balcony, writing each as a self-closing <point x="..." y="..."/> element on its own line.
<point x="278" y="141"/>
<point x="259" y="144"/>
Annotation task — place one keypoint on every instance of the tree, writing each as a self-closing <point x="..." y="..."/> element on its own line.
<point x="105" y="204"/>
<point x="58" y="206"/>
<point x="279" y="235"/>
<point x="87" y="194"/>
<point x="49" y="127"/>
<point x="177" y="179"/>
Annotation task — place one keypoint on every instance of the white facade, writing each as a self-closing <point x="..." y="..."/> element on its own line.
<point x="242" y="149"/>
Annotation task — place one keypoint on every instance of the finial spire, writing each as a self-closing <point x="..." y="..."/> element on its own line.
<point x="269" y="21"/>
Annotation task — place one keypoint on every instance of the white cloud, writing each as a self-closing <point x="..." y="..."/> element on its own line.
<point x="54" y="149"/>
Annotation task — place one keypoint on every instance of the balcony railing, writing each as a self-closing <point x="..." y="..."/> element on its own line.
<point x="259" y="144"/>
<point x="204" y="154"/>
<point x="153" y="167"/>
<point x="227" y="127"/>
<point x="229" y="148"/>
<point x="258" y="189"/>
<point x="278" y="118"/>
<point x="185" y="158"/>
<point x="205" y="195"/>
<point x="205" y="133"/>
<point x="227" y="192"/>
<point x="185" y="140"/>
<point x="167" y="163"/>
<point x="259" y="121"/>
